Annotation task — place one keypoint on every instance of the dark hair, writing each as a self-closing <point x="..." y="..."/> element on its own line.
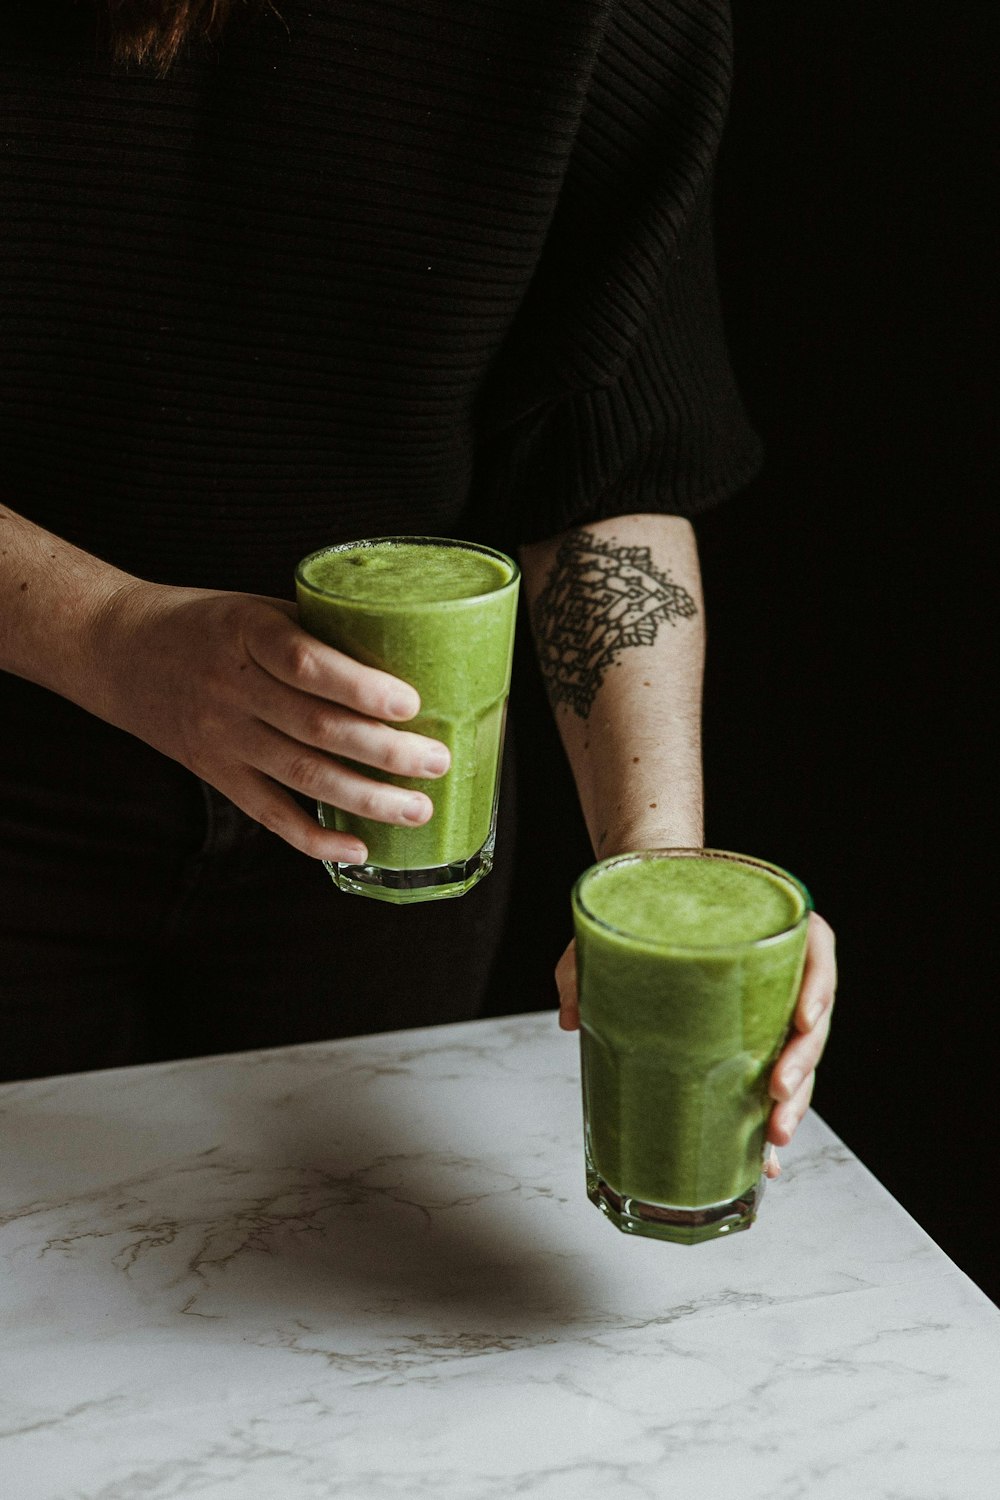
<point x="153" y="32"/>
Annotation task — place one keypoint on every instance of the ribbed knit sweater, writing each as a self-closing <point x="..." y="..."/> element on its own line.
<point x="374" y="266"/>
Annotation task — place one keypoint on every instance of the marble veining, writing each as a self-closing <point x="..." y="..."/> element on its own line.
<point x="369" y="1269"/>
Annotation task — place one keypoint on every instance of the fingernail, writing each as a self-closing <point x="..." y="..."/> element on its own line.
<point x="437" y="762"/>
<point x="813" y="1013"/>
<point x="415" y="810"/>
<point x="402" y="708"/>
<point x="791" y="1080"/>
<point x="357" y="854"/>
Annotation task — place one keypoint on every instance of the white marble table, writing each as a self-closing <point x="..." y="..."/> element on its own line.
<point x="368" y="1269"/>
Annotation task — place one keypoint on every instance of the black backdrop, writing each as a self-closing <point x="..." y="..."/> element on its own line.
<point x="850" y="588"/>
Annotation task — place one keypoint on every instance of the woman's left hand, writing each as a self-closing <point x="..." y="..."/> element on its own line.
<point x="794" y="1074"/>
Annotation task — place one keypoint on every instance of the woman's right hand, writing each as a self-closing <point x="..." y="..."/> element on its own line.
<point x="231" y="686"/>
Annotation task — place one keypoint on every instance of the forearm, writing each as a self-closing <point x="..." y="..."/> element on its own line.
<point x="618" y="617"/>
<point x="51" y="594"/>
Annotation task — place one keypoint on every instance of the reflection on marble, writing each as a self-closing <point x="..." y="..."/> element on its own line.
<point x="368" y="1269"/>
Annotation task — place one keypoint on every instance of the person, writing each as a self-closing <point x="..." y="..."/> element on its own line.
<point x="279" y="277"/>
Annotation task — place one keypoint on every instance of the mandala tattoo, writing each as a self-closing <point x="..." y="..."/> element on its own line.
<point x="597" y="601"/>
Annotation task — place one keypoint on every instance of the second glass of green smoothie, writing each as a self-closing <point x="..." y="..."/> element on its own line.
<point x="689" y="963"/>
<point x="439" y="614"/>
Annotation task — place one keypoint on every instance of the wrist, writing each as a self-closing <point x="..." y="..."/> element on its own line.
<point x="110" y="627"/>
<point x="679" y="833"/>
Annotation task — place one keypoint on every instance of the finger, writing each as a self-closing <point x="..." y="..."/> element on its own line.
<point x="569" y="1008"/>
<point x="819" y="978"/>
<point x="341" y="731"/>
<point x="798" y="1059"/>
<point x="265" y="802"/>
<point x="293" y="656"/>
<point x="786" y="1117"/>
<point x="319" y="776"/>
<point x="772" y="1165"/>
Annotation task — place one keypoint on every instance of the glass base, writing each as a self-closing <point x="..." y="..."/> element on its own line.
<point x="403" y="887"/>
<point x="683" y="1226"/>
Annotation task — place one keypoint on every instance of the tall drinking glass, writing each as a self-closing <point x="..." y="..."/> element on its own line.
<point x="440" y="615"/>
<point x="689" y="965"/>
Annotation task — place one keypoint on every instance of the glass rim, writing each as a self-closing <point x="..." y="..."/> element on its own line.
<point x="382" y="605"/>
<point x="682" y="852"/>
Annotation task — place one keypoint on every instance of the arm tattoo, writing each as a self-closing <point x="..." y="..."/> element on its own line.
<point x="597" y="601"/>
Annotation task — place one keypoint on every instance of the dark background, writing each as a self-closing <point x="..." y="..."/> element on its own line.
<point x="849" y="588"/>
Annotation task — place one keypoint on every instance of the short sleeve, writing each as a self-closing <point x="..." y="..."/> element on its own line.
<point x="613" y="392"/>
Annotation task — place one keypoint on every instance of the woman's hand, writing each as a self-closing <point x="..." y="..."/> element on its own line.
<point x="794" y="1073"/>
<point x="232" y="687"/>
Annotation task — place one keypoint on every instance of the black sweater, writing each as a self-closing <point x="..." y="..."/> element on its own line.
<point x="376" y="266"/>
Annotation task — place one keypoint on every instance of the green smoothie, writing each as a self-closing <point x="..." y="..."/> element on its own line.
<point x="689" y="969"/>
<point x="440" y="615"/>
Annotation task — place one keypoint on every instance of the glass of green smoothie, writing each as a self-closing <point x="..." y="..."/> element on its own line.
<point x="440" y="615"/>
<point x="689" y="963"/>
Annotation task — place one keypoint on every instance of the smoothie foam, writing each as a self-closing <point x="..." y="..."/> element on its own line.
<point x="406" y="573"/>
<point x="692" y="902"/>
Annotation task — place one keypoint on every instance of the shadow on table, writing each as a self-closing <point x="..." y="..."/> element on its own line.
<point x="369" y="1217"/>
<point x="331" y="1207"/>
